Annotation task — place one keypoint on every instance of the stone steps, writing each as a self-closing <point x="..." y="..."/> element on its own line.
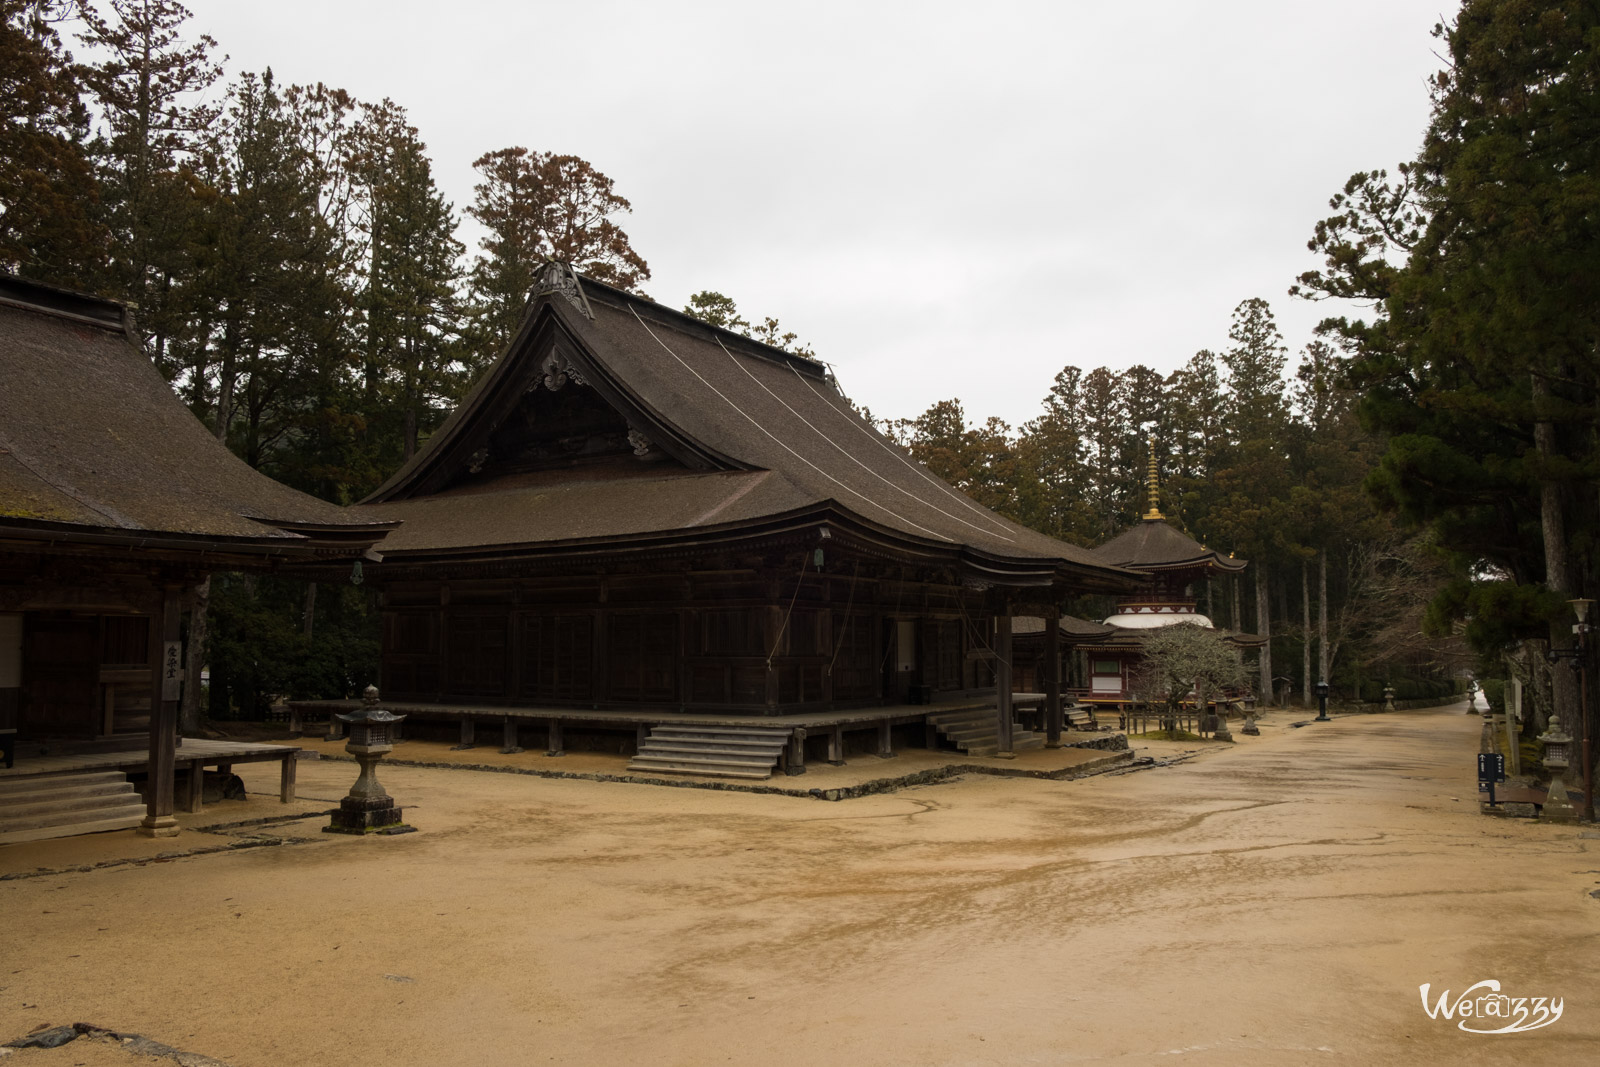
<point x="978" y="734"/>
<point x="65" y="805"/>
<point x="744" y="752"/>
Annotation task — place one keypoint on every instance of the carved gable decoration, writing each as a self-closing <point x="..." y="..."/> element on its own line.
<point x="548" y="405"/>
<point x="560" y="421"/>
<point x="557" y="370"/>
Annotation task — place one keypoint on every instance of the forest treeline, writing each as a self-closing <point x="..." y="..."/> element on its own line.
<point x="297" y="272"/>
<point x="1256" y="459"/>
<point x="1423" y="472"/>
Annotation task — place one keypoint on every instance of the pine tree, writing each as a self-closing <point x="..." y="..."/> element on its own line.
<point x="409" y="298"/>
<point x="538" y="207"/>
<point x="148" y="87"/>
<point x="718" y="310"/>
<point x="1480" y="359"/>
<point x="48" y="197"/>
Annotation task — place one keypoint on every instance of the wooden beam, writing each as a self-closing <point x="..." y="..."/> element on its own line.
<point x="772" y="625"/>
<point x="195" y="791"/>
<point x="165" y="681"/>
<point x="555" y="747"/>
<point x="885" y="740"/>
<point x="286" y="774"/>
<point x="836" y="745"/>
<point x="508" y="736"/>
<point x="469" y="734"/>
<point x="794" y="754"/>
<point x="1002" y="682"/>
<point x="1052" y="684"/>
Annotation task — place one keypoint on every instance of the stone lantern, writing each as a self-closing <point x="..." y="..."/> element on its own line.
<point x="1321" y="689"/>
<point x="1388" y="698"/>
<point x="368" y="809"/>
<point x="1557" y="757"/>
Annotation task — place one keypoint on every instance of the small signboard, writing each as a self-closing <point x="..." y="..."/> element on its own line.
<point x="1491" y="769"/>
<point x="171" y="670"/>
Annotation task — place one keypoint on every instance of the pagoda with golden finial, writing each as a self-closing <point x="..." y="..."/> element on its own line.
<point x="1177" y="564"/>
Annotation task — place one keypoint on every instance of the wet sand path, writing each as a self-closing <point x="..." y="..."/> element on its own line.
<point x="1274" y="902"/>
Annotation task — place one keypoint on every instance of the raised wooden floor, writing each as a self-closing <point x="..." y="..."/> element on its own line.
<point x="192" y="756"/>
<point x="833" y="724"/>
<point x="808" y="720"/>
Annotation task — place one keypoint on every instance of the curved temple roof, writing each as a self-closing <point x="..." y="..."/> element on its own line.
<point x="1153" y="545"/>
<point x="753" y="434"/>
<point x="95" y="446"/>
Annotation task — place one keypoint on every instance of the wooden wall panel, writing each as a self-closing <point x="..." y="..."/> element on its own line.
<point x="557" y="658"/>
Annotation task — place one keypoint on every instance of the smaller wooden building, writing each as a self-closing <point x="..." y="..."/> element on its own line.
<point x="114" y="503"/>
<point x="1176" y="564"/>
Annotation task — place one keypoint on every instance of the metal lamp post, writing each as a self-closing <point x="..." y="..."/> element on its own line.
<point x="1580" y="608"/>
<point x="1322" y="702"/>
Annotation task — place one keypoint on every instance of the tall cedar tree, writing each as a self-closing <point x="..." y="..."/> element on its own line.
<point x="719" y="310"/>
<point x="148" y="86"/>
<point x="412" y="354"/>
<point x="48" y="195"/>
<point x="538" y="206"/>
<point x="1481" y="360"/>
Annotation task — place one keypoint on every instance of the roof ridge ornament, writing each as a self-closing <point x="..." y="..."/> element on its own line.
<point x="1154" y="484"/>
<point x="558" y="277"/>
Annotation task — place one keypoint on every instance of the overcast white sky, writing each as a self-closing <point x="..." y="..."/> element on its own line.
<point x="944" y="199"/>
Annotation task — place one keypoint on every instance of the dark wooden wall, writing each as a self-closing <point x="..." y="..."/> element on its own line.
<point x="753" y="640"/>
<point x="83" y="675"/>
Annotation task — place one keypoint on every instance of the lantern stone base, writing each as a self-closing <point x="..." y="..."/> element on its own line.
<point x="367" y="815"/>
<point x="1558" y="807"/>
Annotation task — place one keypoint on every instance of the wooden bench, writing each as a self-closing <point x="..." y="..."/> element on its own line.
<point x="194" y="796"/>
<point x="1028" y="710"/>
<point x="1519" y="794"/>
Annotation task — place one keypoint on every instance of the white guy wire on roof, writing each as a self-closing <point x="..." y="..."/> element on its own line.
<point x="792" y="452"/>
<point x="976" y="508"/>
<point x="812" y="426"/>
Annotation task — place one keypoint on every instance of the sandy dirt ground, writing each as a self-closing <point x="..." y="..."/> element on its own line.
<point x="1278" y="901"/>
<point x="820" y="775"/>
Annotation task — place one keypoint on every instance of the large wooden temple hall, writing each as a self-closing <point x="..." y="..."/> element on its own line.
<point x="640" y="523"/>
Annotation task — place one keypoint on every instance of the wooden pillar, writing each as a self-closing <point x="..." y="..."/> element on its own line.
<point x="771" y="628"/>
<point x="166" y="678"/>
<point x="1002" y="680"/>
<point x="826" y="641"/>
<point x="555" y="747"/>
<point x="286" y="773"/>
<point x="836" y="745"/>
<point x="885" y="739"/>
<point x="295" y="720"/>
<point x="508" y="736"/>
<point x="195" y="791"/>
<point x="641" y="734"/>
<point x="335" y="726"/>
<point x="794" y="754"/>
<point x="469" y="733"/>
<point x="1052" y="683"/>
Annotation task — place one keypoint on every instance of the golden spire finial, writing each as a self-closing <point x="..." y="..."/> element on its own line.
<point x="1154" y="514"/>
